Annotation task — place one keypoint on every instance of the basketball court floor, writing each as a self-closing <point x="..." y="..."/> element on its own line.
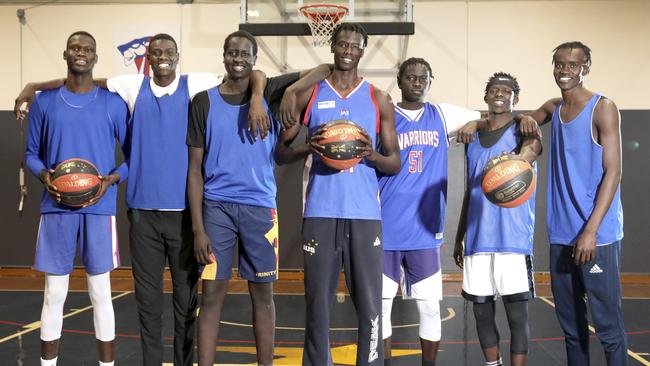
<point x="21" y="300"/>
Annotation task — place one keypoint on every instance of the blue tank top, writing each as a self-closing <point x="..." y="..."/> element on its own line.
<point x="490" y="228"/>
<point x="158" y="154"/>
<point x="414" y="201"/>
<point x="65" y="125"/>
<point x="351" y="193"/>
<point x="236" y="168"/>
<point x="574" y="175"/>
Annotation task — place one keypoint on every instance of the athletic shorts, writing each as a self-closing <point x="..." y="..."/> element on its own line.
<point x="254" y="228"/>
<point x="416" y="271"/>
<point x="58" y="235"/>
<point x="489" y="275"/>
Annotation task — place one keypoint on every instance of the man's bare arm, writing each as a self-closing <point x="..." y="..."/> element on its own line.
<point x="529" y="122"/>
<point x="258" y="118"/>
<point x="388" y="161"/>
<point x="289" y="111"/>
<point x="284" y="152"/>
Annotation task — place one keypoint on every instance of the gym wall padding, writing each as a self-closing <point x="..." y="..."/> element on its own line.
<point x="19" y="232"/>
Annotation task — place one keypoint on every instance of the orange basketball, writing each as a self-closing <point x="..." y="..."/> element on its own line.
<point x="341" y="139"/>
<point x="508" y="180"/>
<point x="77" y="181"/>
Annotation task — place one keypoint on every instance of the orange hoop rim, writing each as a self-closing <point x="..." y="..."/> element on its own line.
<point x="314" y="11"/>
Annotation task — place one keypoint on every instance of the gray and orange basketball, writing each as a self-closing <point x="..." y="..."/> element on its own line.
<point x="77" y="181"/>
<point x="508" y="180"/>
<point x="341" y="139"/>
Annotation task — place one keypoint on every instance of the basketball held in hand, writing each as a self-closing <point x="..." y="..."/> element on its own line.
<point x="77" y="181"/>
<point x="340" y="140"/>
<point x="508" y="180"/>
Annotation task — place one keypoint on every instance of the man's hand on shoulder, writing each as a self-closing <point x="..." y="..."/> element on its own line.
<point x="25" y="98"/>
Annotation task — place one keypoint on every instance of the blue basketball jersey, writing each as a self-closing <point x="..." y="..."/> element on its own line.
<point x="490" y="228"/>
<point x="414" y="201"/>
<point x="65" y="125"/>
<point x="574" y="176"/>
<point x="236" y="168"/>
<point x="158" y="156"/>
<point x="351" y="193"/>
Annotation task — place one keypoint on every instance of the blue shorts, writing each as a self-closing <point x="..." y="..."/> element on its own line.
<point x="58" y="235"/>
<point x="417" y="272"/>
<point x="256" y="230"/>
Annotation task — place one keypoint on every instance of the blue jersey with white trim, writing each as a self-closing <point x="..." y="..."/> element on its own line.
<point x="490" y="228"/>
<point x="351" y="193"/>
<point x="237" y="169"/>
<point x="574" y="176"/>
<point x="414" y="201"/>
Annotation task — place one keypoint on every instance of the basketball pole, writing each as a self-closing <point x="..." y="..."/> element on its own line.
<point x="20" y="13"/>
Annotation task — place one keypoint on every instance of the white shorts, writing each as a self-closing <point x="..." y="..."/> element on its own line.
<point x="489" y="275"/>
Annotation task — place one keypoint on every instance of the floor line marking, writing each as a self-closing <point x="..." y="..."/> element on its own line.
<point x="632" y="354"/>
<point x="451" y="315"/>
<point x="37" y="324"/>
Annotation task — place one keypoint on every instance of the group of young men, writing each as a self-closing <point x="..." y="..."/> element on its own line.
<point x="223" y="139"/>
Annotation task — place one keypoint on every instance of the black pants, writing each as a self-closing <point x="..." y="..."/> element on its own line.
<point x="157" y="237"/>
<point x="328" y="243"/>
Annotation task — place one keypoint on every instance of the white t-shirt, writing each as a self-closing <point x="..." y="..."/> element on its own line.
<point x="128" y="86"/>
<point x="454" y="116"/>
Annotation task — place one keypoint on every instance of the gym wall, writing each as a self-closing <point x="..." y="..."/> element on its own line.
<point x="465" y="42"/>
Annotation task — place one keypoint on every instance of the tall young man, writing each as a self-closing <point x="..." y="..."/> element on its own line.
<point x="496" y="258"/>
<point x="413" y="204"/>
<point x="157" y="155"/>
<point x="77" y="121"/>
<point x="585" y="215"/>
<point x="342" y="220"/>
<point x="232" y="191"/>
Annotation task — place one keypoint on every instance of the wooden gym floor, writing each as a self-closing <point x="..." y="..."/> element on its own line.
<point x="21" y="300"/>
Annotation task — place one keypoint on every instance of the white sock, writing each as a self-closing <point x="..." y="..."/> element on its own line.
<point x="112" y="363"/>
<point x="51" y="362"/>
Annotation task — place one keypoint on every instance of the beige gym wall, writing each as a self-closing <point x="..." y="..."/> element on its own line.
<point x="465" y="42"/>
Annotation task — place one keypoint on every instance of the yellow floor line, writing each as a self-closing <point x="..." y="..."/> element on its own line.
<point x="37" y="324"/>
<point x="634" y="355"/>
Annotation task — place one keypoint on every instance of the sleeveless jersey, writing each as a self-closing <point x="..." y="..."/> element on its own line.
<point x="158" y="154"/>
<point x="414" y="201"/>
<point x="351" y="193"/>
<point x="65" y="125"/>
<point x="490" y="228"/>
<point x="236" y="168"/>
<point x="574" y="175"/>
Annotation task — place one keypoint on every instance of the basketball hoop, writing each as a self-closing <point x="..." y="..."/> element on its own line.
<point x="322" y="19"/>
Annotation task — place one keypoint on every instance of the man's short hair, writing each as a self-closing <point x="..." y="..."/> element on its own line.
<point x="163" y="36"/>
<point x="575" y="45"/>
<point x="80" y="33"/>
<point x="351" y="27"/>
<point x="243" y="34"/>
<point x="414" y="61"/>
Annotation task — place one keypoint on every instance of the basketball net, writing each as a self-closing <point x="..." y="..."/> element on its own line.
<point x="322" y="19"/>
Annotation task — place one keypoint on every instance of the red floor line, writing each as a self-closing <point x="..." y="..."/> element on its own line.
<point x="231" y="341"/>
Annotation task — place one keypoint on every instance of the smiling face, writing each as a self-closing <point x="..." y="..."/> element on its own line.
<point x="569" y="67"/>
<point x="80" y="54"/>
<point x="163" y="57"/>
<point x="239" y="57"/>
<point x="348" y="50"/>
<point x="414" y="83"/>
<point x="500" y="99"/>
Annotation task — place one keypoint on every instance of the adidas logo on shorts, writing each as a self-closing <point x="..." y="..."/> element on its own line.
<point x="595" y="269"/>
<point x="377" y="242"/>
